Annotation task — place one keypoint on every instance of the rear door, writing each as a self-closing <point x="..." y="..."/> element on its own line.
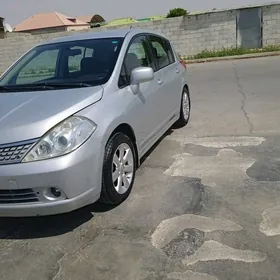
<point x="169" y="71"/>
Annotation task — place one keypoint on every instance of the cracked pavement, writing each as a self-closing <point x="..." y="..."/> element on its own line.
<point x="244" y="98"/>
<point x="205" y="205"/>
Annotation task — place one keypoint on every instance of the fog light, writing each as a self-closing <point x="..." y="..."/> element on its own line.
<point x="55" y="192"/>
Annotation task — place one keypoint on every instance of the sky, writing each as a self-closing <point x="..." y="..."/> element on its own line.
<point x="15" y="11"/>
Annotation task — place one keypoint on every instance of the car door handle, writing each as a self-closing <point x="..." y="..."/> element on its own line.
<point x="160" y="82"/>
<point x="177" y="71"/>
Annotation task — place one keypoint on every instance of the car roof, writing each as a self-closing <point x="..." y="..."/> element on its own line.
<point x="100" y="34"/>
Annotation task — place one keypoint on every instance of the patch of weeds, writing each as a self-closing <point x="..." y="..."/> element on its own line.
<point x="231" y="52"/>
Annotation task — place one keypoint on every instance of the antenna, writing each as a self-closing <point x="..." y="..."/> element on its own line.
<point x="8" y="27"/>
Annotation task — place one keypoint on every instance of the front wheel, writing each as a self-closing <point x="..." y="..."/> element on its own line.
<point x="185" y="109"/>
<point x="119" y="168"/>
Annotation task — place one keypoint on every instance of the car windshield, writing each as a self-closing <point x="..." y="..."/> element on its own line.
<point x="64" y="65"/>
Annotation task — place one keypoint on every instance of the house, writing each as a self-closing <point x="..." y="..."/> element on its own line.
<point x="50" y="23"/>
<point x="86" y="19"/>
<point x="94" y="21"/>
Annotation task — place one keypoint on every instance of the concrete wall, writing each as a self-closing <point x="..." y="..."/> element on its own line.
<point x="193" y="34"/>
<point x="78" y="28"/>
<point x="55" y="30"/>
<point x="190" y="34"/>
<point x="46" y="30"/>
<point x="271" y="25"/>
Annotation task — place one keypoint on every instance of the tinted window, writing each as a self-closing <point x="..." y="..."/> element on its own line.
<point x="162" y="51"/>
<point x="138" y="55"/>
<point x="74" y="62"/>
<point x="43" y="66"/>
<point x="170" y="52"/>
<point x="86" y="61"/>
<point x="123" y="80"/>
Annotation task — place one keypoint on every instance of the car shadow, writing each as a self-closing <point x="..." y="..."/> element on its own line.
<point x="49" y="226"/>
<point x="167" y="133"/>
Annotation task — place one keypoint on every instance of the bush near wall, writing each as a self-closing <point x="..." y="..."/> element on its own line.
<point x="177" y="12"/>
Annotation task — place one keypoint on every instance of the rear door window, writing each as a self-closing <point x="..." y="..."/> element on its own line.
<point x="162" y="51"/>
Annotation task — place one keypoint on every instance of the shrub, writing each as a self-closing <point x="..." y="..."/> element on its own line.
<point x="177" y="12"/>
<point x="232" y="51"/>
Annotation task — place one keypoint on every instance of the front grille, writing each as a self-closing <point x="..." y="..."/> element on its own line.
<point x="14" y="153"/>
<point x="18" y="196"/>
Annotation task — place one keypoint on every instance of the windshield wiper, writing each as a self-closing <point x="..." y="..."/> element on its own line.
<point x="25" y="87"/>
<point x="5" y="88"/>
<point x="42" y="86"/>
<point x="64" y="85"/>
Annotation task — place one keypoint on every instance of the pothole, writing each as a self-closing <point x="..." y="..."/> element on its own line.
<point x="171" y="228"/>
<point x="266" y="170"/>
<point x="198" y="197"/>
<point x="185" y="244"/>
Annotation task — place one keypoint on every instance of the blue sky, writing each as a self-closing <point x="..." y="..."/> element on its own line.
<point x="17" y="10"/>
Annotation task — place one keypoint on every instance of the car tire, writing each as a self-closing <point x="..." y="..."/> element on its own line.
<point x="185" y="109"/>
<point x="119" y="168"/>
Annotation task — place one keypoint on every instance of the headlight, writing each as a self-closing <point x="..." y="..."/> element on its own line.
<point x="62" y="139"/>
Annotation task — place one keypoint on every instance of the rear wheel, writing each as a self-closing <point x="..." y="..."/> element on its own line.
<point x="185" y="109"/>
<point x="119" y="169"/>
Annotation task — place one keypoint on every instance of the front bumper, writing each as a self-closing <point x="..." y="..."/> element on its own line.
<point x="77" y="175"/>
<point x="51" y="208"/>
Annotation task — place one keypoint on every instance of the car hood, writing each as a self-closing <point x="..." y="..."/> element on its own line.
<point x="29" y="115"/>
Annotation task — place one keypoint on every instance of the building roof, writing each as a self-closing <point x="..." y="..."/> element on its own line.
<point x="121" y="21"/>
<point x="150" y="18"/>
<point x="48" y="20"/>
<point x="84" y="18"/>
<point x="91" y="19"/>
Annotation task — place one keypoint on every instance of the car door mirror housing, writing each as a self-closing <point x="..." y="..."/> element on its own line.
<point x="141" y="75"/>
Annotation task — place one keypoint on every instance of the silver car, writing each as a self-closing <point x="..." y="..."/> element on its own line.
<point x="78" y="113"/>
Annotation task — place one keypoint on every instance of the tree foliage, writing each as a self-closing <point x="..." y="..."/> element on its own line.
<point x="177" y="12"/>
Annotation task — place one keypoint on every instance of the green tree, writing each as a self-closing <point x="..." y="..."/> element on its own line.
<point x="177" y="12"/>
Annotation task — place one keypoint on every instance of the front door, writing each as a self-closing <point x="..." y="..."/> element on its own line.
<point x="144" y="106"/>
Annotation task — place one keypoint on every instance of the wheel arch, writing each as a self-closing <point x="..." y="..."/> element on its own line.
<point x="128" y="130"/>
<point x="186" y="87"/>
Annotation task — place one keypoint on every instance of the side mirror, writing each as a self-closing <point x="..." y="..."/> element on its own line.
<point x="141" y="75"/>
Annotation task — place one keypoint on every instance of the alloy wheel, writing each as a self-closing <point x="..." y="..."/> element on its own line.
<point x="122" y="168"/>
<point x="185" y="105"/>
